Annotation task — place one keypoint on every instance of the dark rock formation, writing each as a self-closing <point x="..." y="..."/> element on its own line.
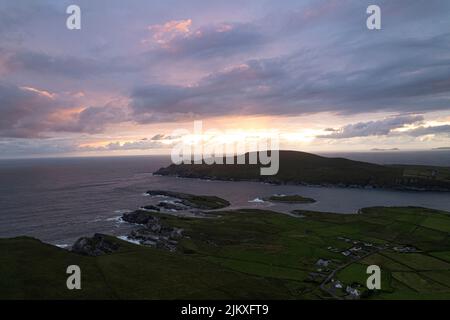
<point x="98" y="245"/>
<point x="151" y="208"/>
<point x="193" y="201"/>
<point x="138" y="216"/>
<point x="172" y="206"/>
<point x="153" y="232"/>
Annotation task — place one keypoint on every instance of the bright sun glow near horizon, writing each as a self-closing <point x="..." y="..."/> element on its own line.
<point x="310" y="70"/>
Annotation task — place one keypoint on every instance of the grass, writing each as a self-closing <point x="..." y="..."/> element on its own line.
<point x="245" y="254"/>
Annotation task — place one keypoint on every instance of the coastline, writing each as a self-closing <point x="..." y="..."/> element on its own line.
<point x="326" y="248"/>
<point x="305" y="184"/>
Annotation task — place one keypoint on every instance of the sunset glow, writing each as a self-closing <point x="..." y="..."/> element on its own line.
<point x="110" y="86"/>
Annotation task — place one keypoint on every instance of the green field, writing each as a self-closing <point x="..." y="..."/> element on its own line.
<point x="250" y="254"/>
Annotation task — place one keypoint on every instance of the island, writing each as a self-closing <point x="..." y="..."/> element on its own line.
<point x="192" y="201"/>
<point x="309" y="169"/>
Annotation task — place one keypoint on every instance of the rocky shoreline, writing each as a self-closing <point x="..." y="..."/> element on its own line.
<point x="306" y="184"/>
<point x="95" y="246"/>
<point x="151" y="230"/>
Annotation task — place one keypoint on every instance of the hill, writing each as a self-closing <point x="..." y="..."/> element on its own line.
<point x="305" y="168"/>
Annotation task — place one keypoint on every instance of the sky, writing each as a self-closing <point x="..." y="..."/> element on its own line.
<point x="139" y="70"/>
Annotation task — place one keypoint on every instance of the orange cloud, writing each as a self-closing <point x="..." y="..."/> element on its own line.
<point x="163" y="34"/>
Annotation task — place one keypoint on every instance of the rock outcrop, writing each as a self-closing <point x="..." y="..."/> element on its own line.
<point x="191" y="201"/>
<point x="177" y="206"/>
<point x="153" y="232"/>
<point x="151" y="208"/>
<point x="138" y="217"/>
<point x="97" y="245"/>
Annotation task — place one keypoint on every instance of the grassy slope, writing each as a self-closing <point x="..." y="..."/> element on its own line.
<point x="301" y="167"/>
<point x="244" y="254"/>
<point x="32" y="270"/>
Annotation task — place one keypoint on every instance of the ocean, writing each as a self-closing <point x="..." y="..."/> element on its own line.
<point x="60" y="200"/>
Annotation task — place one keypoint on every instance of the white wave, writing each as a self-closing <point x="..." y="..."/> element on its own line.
<point x="147" y="210"/>
<point x="117" y="219"/>
<point x="170" y="201"/>
<point x="257" y="200"/>
<point x="127" y="239"/>
<point x="122" y="211"/>
<point x="62" y="246"/>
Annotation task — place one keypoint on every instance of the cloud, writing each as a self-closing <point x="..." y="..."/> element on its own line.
<point x="130" y="145"/>
<point x="299" y="84"/>
<point x="373" y="128"/>
<point x="66" y="65"/>
<point x="206" y="59"/>
<point x="348" y="71"/>
<point x="305" y="70"/>
<point x="16" y="19"/>
<point x="233" y="91"/>
<point x="426" y="130"/>
<point x="178" y="39"/>
<point x="17" y="147"/>
<point x="158" y="137"/>
<point x="25" y="111"/>
<point x="94" y="119"/>
<point x="164" y="34"/>
<point x="28" y="112"/>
